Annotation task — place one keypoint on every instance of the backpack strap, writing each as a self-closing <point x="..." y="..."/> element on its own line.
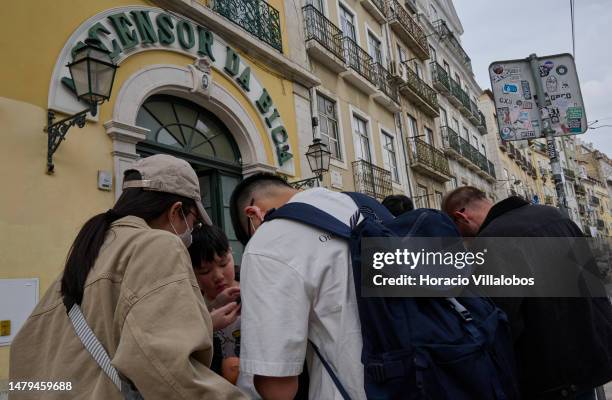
<point x="310" y="215"/>
<point x="331" y="372"/>
<point x="370" y="206"/>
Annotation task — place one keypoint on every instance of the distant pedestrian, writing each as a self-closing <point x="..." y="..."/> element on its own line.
<point x="563" y="345"/>
<point x="398" y="204"/>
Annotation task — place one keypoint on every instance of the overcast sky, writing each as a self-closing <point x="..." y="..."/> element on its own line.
<point x="507" y="30"/>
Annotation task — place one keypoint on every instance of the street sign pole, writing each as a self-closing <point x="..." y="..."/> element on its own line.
<point x="545" y="123"/>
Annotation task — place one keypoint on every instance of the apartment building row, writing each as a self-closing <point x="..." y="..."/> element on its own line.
<point x="397" y="103"/>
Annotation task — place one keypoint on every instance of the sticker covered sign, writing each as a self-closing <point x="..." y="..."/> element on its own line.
<point x="515" y="93"/>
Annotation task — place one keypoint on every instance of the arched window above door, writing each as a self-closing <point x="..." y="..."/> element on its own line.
<point x="186" y="127"/>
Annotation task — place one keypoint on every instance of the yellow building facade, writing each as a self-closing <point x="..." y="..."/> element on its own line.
<point x="222" y="89"/>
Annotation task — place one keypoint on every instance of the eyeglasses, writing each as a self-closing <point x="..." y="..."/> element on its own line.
<point x="197" y="224"/>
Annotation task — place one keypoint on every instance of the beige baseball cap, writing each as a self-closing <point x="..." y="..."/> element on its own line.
<point x="165" y="173"/>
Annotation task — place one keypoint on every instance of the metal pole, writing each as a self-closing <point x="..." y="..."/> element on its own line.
<point x="545" y="123"/>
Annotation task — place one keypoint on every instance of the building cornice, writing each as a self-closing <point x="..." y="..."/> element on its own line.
<point x="242" y="40"/>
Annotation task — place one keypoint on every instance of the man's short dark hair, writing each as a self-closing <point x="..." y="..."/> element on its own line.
<point x="398" y="204"/>
<point x="243" y="194"/>
<point x="208" y="242"/>
<point x="461" y="197"/>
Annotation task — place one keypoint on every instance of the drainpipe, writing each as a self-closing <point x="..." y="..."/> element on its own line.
<point x="398" y="123"/>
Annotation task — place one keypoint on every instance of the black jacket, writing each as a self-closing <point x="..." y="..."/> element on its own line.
<point x="563" y="345"/>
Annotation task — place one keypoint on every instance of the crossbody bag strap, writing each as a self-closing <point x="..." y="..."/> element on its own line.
<point x="92" y="344"/>
<point x="331" y="372"/>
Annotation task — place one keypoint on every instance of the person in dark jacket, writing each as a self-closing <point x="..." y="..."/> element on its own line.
<point x="398" y="204"/>
<point x="563" y="345"/>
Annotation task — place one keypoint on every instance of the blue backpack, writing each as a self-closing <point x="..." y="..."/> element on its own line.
<point x="418" y="348"/>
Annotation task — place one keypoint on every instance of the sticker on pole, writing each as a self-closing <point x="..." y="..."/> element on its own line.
<point x="516" y="101"/>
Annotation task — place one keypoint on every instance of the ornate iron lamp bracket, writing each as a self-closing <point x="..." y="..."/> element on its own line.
<point x="57" y="131"/>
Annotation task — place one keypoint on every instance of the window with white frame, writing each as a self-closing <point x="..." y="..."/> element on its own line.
<point x="456" y="125"/>
<point x="422" y="200"/>
<point x="428" y="136"/>
<point x="362" y="140"/>
<point x="475" y="141"/>
<point x="414" y="131"/>
<point x="439" y="197"/>
<point x="443" y="117"/>
<point x="347" y="23"/>
<point x="374" y="47"/>
<point x="433" y="13"/>
<point x="401" y="57"/>
<point x="389" y="156"/>
<point x="328" y="125"/>
<point x="433" y="54"/>
<point x="318" y="4"/>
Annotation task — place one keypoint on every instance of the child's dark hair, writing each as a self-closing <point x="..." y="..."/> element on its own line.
<point x="208" y="241"/>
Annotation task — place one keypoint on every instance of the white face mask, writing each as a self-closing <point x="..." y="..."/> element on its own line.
<point x="186" y="236"/>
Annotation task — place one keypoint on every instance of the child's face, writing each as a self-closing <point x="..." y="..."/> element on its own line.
<point x="217" y="275"/>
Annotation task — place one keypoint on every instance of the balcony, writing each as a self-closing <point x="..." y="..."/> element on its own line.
<point x="430" y="161"/>
<point x="466" y="151"/>
<point x="474" y="116"/>
<point x="492" y="170"/>
<point x="408" y="29"/>
<point x="255" y="16"/>
<point x="362" y="71"/>
<point x="465" y="108"/>
<point x="594" y="201"/>
<point x="388" y="96"/>
<point x="377" y="8"/>
<point x="453" y="44"/>
<point x="482" y="125"/>
<point x="456" y="90"/>
<point x="440" y="78"/>
<point x="323" y="40"/>
<point x="579" y="189"/>
<point x="569" y="174"/>
<point x="511" y="153"/>
<point x="450" y="138"/>
<point x="421" y="94"/>
<point x="372" y="180"/>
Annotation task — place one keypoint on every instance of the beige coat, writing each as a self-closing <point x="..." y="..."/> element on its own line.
<point x="143" y="303"/>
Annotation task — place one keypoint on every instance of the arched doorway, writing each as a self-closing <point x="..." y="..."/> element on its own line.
<point x="184" y="129"/>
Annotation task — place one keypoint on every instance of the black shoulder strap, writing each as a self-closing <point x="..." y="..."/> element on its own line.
<point x="310" y="215"/>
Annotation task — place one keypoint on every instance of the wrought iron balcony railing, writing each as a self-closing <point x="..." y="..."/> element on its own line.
<point x="322" y="30"/>
<point x="431" y="157"/>
<point x="255" y="16"/>
<point x="422" y="89"/>
<point x="491" y="169"/>
<point x="372" y="180"/>
<point x="579" y="189"/>
<point x="415" y="38"/>
<point x="440" y="78"/>
<point x="359" y="60"/>
<point x="456" y="90"/>
<point x="447" y="35"/>
<point x="385" y="82"/>
<point x="380" y="4"/>
<point x="482" y="124"/>
<point x="465" y="147"/>
<point x="451" y="139"/>
<point x="569" y="174"/>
